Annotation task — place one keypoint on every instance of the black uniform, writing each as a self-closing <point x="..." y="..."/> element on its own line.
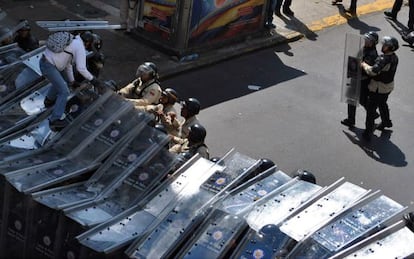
<point x="369" y="55"/>
<point x="379" y="89"/>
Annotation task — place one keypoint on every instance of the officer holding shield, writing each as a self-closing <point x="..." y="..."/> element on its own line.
<point x="381" y="85"/>
<point x="369" y="55"/>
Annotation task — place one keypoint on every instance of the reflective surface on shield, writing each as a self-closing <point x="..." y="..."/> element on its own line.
<point x="187" y="212"/>
<point x="355" y="225"/>
<point x="134" y="222"/>
<point x="275" y="208"/>
<point x="86" y="156"/>
<point x="395" y="245"/>
<point x="238" y="202"/>
<point x="351" y="77"/>
<point x="135" y="186"/>
<point x="216" y="237"/>
<point x="322" y="210"/>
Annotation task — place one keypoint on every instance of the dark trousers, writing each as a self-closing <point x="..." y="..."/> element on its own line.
<point x="376" y="100"/>
<point x="353" y="5"/>
<point x="286" y="4"/>
<point x="397" y="7"/>
<point x="363" y="97"/>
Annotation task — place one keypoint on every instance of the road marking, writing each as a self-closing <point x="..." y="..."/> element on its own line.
<point x="338" y="19"/>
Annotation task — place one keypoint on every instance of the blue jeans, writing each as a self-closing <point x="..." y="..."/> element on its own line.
<point x="58" y="91"/>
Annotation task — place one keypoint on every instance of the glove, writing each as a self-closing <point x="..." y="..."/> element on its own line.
<point x="95" y="82"/>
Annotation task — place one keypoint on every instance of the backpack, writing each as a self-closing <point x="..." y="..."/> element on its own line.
<point x="58" y="41"/>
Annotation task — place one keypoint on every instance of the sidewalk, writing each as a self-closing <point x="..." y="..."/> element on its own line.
<point x="124" y="53"/>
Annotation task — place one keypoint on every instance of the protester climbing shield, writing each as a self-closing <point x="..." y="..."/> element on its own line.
<point x="351" y="77"/>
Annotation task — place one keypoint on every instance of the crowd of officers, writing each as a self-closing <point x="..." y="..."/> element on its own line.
<point x="186" y="134"/>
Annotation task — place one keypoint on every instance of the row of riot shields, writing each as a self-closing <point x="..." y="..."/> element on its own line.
<point x="106" y="186"/>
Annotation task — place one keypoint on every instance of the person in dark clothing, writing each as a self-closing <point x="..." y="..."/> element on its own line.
<point x="24" y="39"/>
<point x="397" y="7"/>
<point x="382" y="83"/>
<point x="369" y="55"/>
<point x="286" y="7"/>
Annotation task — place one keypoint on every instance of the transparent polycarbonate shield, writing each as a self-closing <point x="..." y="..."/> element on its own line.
<point x="322" y="210"/>
<point x="16" y="79"/>
<point x="188" y="212"/>
<point x="96" y="146"/>
<point x="398" y="244"/>
<point x="237" y="202"/>
<point x="216" y="237"/>
<point x="70" y="137"/>
<point x="130" y="191"/>
<point x="275" y="208"/>
<point x="363" y="220"/>
<point x="126" y="158"/>
<point x="351" y="77"/>
<point x="134" y="222"/>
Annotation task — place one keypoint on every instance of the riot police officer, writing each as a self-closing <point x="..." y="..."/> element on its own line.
<point x="381" y="85"/>
<point x="369" y="55"/>
<point x="168" y="115"/>
<point x="190" y="108"/>
<point x="145" y="89"/>
<point x="193" y="144"/>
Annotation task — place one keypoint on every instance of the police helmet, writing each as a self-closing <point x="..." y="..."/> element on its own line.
<point x="197" y="133"/>
<point x="371" y="36"/>
<point x="171" y="95"/>
<point x="391" y="42"/>
<point x="265" y="164"/>
<point x="192" y="105"/>
<point x="305" y="176"/>
<point x="215" y="159"/>
<point x="147" y="68"/>
<point x="87" y="37"/>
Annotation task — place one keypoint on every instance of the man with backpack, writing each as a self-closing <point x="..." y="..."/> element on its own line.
<point x="62" y="49"/>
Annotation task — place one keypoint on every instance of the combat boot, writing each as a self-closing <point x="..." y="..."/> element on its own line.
<point x="384" y="125"/>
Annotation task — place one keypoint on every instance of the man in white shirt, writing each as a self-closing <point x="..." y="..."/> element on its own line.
<point x="56" y="67"/>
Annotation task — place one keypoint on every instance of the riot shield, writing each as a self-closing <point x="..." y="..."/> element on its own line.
<point x="118" y="232"/>
<point x="395" y="241"/>
<point x="218" y="232"/>
<point x="190" y="209"/>
<point x="368" y="216"/>
<point x="351" y="76"/>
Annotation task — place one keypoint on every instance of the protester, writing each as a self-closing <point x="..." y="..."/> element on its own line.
<point x="62" y="48"/>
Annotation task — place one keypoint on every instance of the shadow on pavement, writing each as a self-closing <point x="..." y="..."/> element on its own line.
<point x="295" y="24"/>
<point x="380" y="148"/>
<point x="355" y="22"/>
<point x="262" y="69"/>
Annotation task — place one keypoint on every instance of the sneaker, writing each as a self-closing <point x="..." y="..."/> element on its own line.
<point x="48" y="103"/>
<point x="384" y="125"/>
<point x="287" y="11"/>
<point x="390" y="15"/>
<point x="334" y="2"/>
<point x="57" y="125"/>
<point x="348" y="122"/>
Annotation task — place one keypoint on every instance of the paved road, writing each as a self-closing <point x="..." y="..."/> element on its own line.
<point x="294" y="118"/>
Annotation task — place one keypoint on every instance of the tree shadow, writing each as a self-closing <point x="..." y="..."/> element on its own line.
<point x="355" y="22"/>
<point x="380" y="148"/>
<point x="295" y="24"/>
